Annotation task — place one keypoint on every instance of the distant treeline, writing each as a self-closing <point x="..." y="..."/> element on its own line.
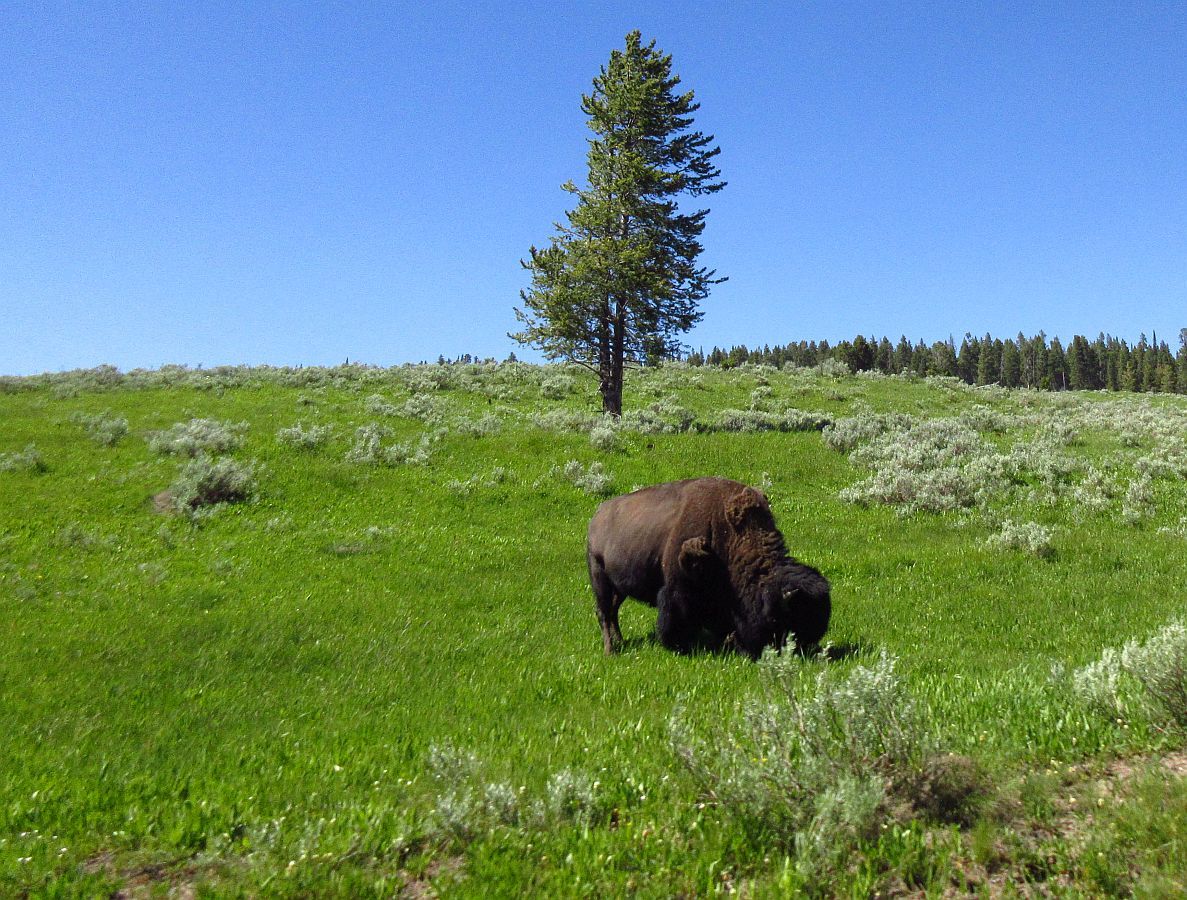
<point x="1036" y="362"/>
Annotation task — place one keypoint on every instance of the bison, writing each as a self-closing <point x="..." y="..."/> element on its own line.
<point x="705" y="552"/>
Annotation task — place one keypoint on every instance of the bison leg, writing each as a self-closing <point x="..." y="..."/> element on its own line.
<point x="608" y="599"/>
<point x="674" y="626"/>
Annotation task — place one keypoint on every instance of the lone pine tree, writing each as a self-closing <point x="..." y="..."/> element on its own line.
<point x="619" y="282"/>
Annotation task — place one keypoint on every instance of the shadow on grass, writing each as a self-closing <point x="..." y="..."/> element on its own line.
<point x="650" y="639"/>
<point x="841" y="652"/>
<point x="706" y="646"/>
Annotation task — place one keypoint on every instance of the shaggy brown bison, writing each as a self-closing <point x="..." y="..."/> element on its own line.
<point x="707" y="553"/>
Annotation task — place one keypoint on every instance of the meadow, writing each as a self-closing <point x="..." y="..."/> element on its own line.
<point x="328" y="631"/>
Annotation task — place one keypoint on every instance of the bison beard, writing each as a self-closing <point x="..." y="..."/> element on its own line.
<point x="707" y="553"/>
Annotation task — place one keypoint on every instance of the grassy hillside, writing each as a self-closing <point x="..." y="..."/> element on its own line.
<point x="381" y="670"/>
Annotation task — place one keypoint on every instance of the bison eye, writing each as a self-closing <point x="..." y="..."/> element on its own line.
<point x="788" y="594"/>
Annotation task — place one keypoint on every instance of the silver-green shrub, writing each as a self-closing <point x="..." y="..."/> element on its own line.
<point x="368" y="444"/>
<point x="198" y="436"/>
<point x="411" y="453"/>
<point x="1138" y="503"/>
<point x="424" y="408"/>
<point x="1061" y="432"/>
<point x="492" y="479"/>
<point x="570" y="796"/>
<point x="1143" y="680"/>
<point x="1029" y="537"/>
<point x="833" y="368"/>
<point x="594" y="480"/>
<point x="943" y="464"/>
<point x="847" y="812"/>
<point x="761" y="396"/>
<point x="664" y="416"/>
<point x="486" y="426"/>
<point x="845" y="434"/>
<point x="982" y="418"/>
<point x="750" y="420"/>
<point x="557" y="385"/>
<point x="604" y="436"/>
<point x="1179" y="529"/>
<point x="304" y="438"/>
<point x="104" y="428"/>
<point x="378" y="405"/>
<point x="1095" y="492"/>
<point x="815" y="757"/>
<point x="205" y="482"/>
<point x="1168" y="463"/>
<point x="369" y="450"/>
<point x="464" y="807"/>
<point x="936" y="490"/>
<point x="924" y="446"/>
<point x="27" y="460"/>
<point x="458" y="812"/>
<point x="820" y="766"/>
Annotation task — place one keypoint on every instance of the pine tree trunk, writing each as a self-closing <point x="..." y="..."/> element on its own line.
<point x="613" y="364"/>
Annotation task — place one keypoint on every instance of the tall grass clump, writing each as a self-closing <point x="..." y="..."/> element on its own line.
<point x="205" y="483"/>
<point x="565" y="421"/>
<point x="466" y="806"/>
<point x="27" y="460"/>
<point x="197" y="436"/>
<point x="819" y="764"/>
<point x="104" y="428"/>
<point x="1144" y="680"/>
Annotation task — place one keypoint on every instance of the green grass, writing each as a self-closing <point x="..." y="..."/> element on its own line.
<point x="245" y="704"/>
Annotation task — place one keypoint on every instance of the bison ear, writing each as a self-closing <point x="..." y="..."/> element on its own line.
<point x="694" y="553"/>
<point x="743" y="506"/>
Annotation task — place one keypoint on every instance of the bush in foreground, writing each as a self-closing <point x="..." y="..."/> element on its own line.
<point x="820" y="765"/>
<point x="204" y="483"/>
<point x="1143" y="680"/>
<point x="465" y="808"/>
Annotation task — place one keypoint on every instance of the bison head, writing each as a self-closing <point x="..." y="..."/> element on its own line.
<point x="798" y="604"/>
<point x="793" y="604"/>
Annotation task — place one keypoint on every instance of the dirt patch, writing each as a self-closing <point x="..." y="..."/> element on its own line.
<point x="421" y="887"/>
<point x="162" y="503"/>
<point x="1036" y="857"/>
<point x="178" y="877"/>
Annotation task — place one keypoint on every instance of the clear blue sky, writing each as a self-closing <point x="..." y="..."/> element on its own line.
<point x="301" y="183"/>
